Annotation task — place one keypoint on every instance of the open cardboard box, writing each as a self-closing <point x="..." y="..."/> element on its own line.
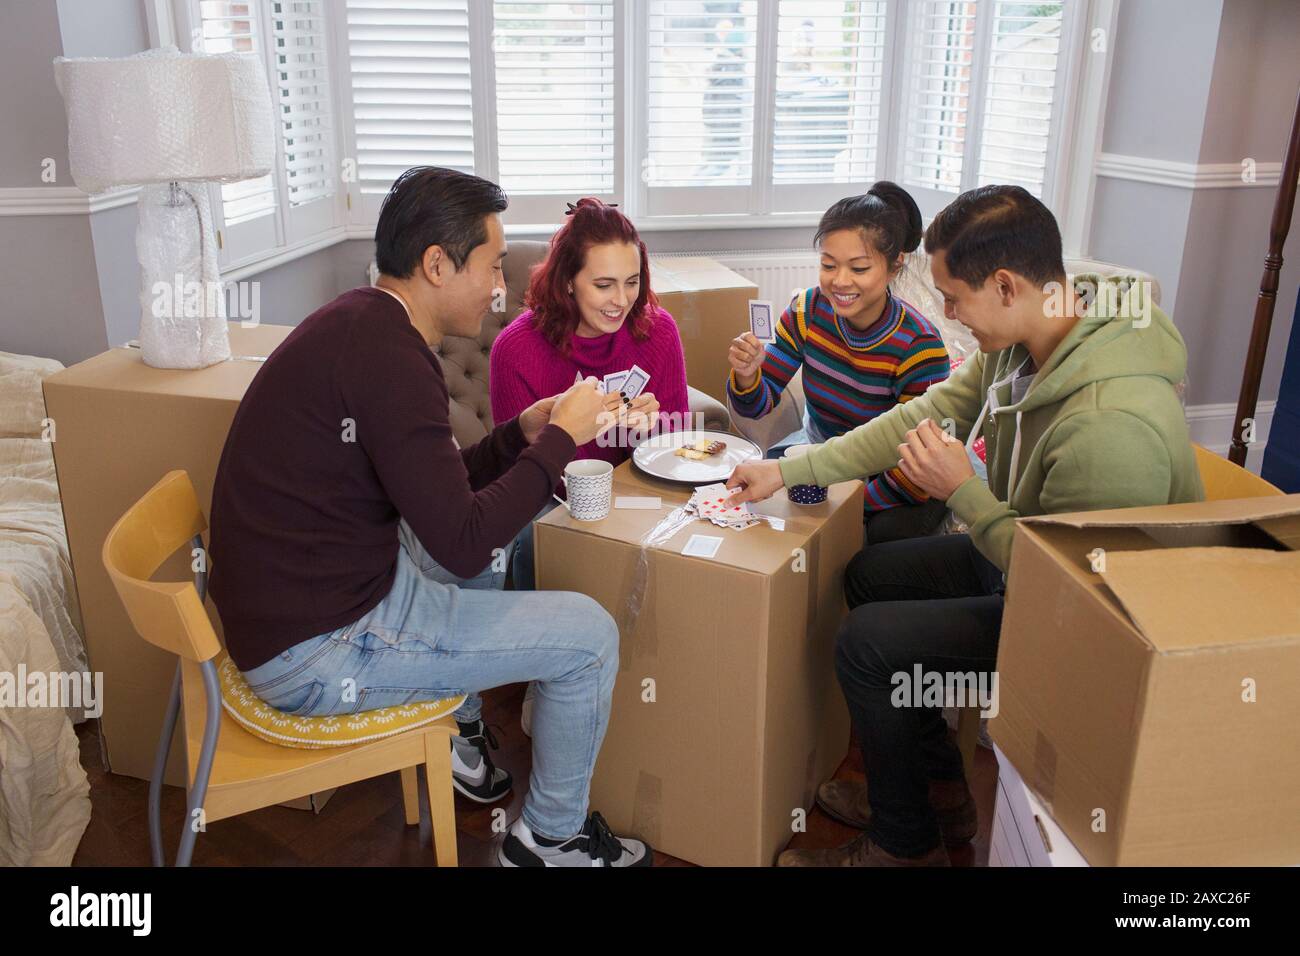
<point x="1149" y="679"/>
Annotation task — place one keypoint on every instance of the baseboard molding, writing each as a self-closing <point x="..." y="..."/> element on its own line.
<point x="1168" y="172"/>
<point x="1211" y="427"/>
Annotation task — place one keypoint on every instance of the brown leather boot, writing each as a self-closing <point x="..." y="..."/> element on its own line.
<point x="860" y="852"/>
<point x="846" y="802"/>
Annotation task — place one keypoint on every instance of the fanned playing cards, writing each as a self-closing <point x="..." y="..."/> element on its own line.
<point x="710" y="501"/>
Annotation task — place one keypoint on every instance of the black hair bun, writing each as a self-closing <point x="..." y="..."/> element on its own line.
<point x="901" y="200"/>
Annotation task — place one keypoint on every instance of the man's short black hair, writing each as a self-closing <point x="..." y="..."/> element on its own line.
<point x="432" y="206"/>
<point x="997" y="227"/>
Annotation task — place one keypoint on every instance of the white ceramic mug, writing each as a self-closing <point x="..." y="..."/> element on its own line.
<point x="590" y="486"/>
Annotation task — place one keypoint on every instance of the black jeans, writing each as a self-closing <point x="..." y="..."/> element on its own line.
<point x="903" y="521"/>
<point x="934" y="601"/>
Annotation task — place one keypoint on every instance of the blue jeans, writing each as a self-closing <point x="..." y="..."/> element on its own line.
<point x="523" y="572"/>
<point x="435" y="635"/>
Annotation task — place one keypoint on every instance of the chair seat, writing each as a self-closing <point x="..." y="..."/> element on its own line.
<point x="250" y="772"/>
<point x="313" y="733"/>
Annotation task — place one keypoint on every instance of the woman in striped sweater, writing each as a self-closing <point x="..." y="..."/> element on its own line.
<point x="863" y="350"/>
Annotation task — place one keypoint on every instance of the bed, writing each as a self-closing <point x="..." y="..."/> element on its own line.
<point x="44" y="793"/>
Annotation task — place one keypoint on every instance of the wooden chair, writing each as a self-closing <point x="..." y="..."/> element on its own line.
<point x="1223" y="481"/>
<point x="230" y="771"/>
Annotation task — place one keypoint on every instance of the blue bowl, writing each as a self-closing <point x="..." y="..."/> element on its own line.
<point x="807" y="494"/>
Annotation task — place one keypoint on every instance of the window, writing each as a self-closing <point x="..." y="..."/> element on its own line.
<point x="828" y="100"/>
<point x="410" y="84"/>
<point x="984" y="96"/>
<point x="700" y="85"/>
<point x="524" y="94"/>
<point x="744" y="110"/>
<point x="555" y="97"/>
<point x="299" y="199"/>
<point x="232" y="27"/>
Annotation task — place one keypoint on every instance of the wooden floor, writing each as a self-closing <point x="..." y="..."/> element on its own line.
<point x="363" y="824"/>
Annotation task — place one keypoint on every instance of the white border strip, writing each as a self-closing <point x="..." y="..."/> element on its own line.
<point x="1167" y="172"/>
<point x="61" y="200"/>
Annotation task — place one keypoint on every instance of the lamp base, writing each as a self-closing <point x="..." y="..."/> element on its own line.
<point x="182" y="297"/>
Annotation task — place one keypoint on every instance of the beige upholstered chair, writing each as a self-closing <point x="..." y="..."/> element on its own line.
<point x="465" y="361"/>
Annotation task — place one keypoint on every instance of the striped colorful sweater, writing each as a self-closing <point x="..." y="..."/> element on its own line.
<point x="849" y="377"/>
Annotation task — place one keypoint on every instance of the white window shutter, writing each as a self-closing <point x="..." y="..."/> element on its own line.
<point x="1021" y="98"/>
<point x="302" y="88"/>
<point x="700" y="79"/>
<point x="409" y="66"/>
<point x="937" y="107"/>
<point x="555" y="95"/>
<point x="828" y="90"/>
<point x="232" y="26"/>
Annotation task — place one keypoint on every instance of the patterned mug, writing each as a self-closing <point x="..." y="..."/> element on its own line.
<point x="804" y="494"/>
<point x="590" y="487"/>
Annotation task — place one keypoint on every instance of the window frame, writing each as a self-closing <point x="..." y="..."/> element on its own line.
<point x="1082" y="79"/>
<point x="287" y="231"/>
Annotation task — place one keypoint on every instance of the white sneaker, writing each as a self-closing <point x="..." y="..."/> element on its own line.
<point x="594" y="846"/>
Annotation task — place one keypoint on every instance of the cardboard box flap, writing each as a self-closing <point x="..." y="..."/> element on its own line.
<point x="1230" y="511"/>
<point x="1207" y="597"/>
<point x="691" y="274"/>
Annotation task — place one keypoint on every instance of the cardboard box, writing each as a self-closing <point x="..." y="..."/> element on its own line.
<point x="711" y="306"/>
<point x="120" y="425"/>
<point x="1023" y="833"/>
<point x="746" y="716"/>
<point x="1153" y="704"/>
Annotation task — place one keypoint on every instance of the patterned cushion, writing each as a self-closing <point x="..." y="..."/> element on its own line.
<point x="315" y="733"/>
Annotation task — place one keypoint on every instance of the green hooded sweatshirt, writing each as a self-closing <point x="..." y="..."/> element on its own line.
<point x="1100" y="427"/>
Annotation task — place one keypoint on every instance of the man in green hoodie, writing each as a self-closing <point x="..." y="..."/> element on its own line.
<point x="1073" y="390"/>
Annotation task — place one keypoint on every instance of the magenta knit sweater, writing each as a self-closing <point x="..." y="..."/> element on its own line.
<point x="525" y="367"/>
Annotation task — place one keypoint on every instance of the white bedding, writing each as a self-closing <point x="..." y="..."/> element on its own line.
<point x="44" y="793"/>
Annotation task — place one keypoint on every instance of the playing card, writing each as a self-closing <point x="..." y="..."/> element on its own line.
<point x="761" y="322"/>
<point x="614" y="382"/>
<point x="636" y="381"/>
<point x="708" y="499"/>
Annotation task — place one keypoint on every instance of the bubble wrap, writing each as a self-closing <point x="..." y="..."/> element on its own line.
<point x="163" y="115"/>
<point x="183" y="305"/>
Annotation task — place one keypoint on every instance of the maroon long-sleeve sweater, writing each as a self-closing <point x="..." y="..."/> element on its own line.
<point x="343" y="431"/>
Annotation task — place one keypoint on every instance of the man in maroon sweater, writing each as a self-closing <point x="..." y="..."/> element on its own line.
<point x="355" y="546"/>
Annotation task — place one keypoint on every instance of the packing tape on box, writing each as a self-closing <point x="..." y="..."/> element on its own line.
<point x="647" y="808"/>
<point x="668" y="526"/>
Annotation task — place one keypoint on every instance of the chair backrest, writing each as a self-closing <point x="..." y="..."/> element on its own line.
<point x="1223" y="480"/>
<point x="167" y="614"/>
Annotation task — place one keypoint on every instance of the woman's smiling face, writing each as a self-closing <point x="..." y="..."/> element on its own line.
<point x="854" y="275"/>
<point x="607" y="287"/>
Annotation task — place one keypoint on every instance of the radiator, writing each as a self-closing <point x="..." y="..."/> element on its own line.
<point x="779" y="274"/>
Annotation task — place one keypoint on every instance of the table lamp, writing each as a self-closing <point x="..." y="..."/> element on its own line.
<point x="171" y="121"/>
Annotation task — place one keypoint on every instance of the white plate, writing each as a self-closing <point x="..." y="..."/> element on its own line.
<point x="657" y="456"/>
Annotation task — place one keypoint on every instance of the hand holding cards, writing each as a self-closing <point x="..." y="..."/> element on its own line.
<point x="710" y="501"/>
<point x="747" y="351"/>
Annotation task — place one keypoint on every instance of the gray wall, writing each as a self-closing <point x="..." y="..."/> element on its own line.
<point x="69" y="281"/>
<point x="1202" y="82"/>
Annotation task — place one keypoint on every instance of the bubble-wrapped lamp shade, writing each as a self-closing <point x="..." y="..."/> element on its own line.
<point x="170" y="121"/>
<point x="164" y="116"/>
